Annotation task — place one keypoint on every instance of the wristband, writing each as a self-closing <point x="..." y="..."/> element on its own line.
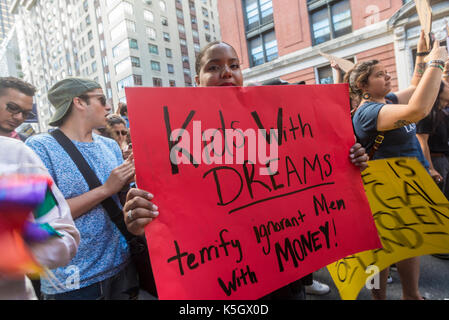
<point x="437" y="66"/>
<point x="422" y="54"/>
<point x="440" y="62"/>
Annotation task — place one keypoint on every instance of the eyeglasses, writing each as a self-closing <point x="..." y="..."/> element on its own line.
<point x="14" y="109"/>
<point x="122" y="132"/>
<point x="101" y="98"/>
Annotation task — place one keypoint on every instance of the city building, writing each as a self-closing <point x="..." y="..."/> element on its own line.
<point x="10" y="65"/>
<point x="284" y="38"/>
<point x="6" y="19"/>
<point x="117" y="43"/>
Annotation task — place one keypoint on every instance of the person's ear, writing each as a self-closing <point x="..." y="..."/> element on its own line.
<point x="78" y="103"/>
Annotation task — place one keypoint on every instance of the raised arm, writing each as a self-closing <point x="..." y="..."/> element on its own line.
<point x="420" y="67"/>
<point x="393" y="116"/>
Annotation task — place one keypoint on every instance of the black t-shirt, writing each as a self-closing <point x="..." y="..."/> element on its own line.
<point x="438" y="131"/>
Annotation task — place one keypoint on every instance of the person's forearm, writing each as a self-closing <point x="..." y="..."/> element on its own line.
<point x="420" y="68"/>
<point x="425" y="94"/>
<point x="87" y="201"/>
<point x="426" y="152"/>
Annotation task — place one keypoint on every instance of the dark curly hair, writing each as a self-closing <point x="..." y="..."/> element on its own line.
<point x="357" y="77"/>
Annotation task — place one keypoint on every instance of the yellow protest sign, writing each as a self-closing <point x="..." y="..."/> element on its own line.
<point x="411" y="216"/>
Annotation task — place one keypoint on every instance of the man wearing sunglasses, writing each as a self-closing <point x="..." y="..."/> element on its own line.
<point x="16" y="104"/>
<point x="102" y="264"/>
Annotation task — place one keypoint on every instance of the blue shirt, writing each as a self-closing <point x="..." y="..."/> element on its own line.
<point x="103" y="251"/>
<point x="401" y="142"/>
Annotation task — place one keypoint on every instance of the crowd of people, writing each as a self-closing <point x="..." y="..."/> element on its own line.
<point x="89" y="157"/>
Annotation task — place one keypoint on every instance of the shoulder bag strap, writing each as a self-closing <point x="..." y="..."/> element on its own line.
<point x="379" y="139"/>
<point x="111" y="207"/>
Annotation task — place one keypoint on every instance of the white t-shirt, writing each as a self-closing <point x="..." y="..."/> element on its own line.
<point x="16" y="157"/>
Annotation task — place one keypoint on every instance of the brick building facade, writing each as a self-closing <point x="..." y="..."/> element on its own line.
<point x="283" y="38"/>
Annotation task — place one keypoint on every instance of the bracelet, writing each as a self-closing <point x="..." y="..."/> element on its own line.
<point x="422" y="54"/>
<point x="436" y="65"/>
<point x="440" y="62"/>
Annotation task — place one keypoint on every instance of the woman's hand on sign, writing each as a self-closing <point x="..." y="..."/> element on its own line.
<point x="436" y="176"/>
<point x="139" y="210"/>
<point x="358" y="156"/>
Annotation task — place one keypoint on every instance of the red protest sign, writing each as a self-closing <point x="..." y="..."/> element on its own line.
<point x="226" y="229"/>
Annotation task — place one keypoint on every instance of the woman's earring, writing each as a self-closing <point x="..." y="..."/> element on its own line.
<point x="366" y="96"/>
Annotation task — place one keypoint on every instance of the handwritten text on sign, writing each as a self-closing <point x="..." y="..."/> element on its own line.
<point x="227" y="229"/>
<point x="411" y="215"/>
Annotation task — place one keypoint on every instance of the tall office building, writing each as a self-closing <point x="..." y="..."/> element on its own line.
<point x="117" y="43"/>
<point x="10" y="65"/>
<point x="6" y="19"/>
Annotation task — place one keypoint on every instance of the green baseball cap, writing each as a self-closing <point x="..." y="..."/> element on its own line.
<point x="62" y="93"/>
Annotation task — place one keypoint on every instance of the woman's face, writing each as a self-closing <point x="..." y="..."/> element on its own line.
<point x="120" y="132"/>
<point x="220" y="66"/>
<point x="379" y="84"/>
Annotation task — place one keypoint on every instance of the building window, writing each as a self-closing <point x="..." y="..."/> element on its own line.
<point x="166" y="37"/>
<point x="133" y="44"/>
<point x="153" y="48"/>
<point x="172" y="83"/>
<point x="263" y="48"/>
<point x="137" y="79"/>
<point x="155" y="65"/>
<point x="148" y="16"/>
<point x="330" y="20"/>
<point x="120" y="48"/>
<point x="92" y="52"/>
<point x="157" y="82"/>
<point x="162" y="5"/>
<point x="151" y="33"/>
<point x="94" y="66"/>
<point x="168" y="53"/>
<point x="135" y="62"/>
<point x="325" y="75"/>
<point x="122" y="66"/>
<point x="170" y="68"/>
<point x="126" y="82"/>
<point x="258" y="13"/>
<point x="164" y="21"/>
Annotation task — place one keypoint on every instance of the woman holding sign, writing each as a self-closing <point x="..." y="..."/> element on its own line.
<point x="385" y="124"/>
<point x="217" y="65"/>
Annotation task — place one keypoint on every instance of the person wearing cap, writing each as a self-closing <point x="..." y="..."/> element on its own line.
<point x="102" y="268"/>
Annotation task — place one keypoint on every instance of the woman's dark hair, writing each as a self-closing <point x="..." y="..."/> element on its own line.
<point x="203" y="51"/>
<point x="357" y="77"/>
<point x="436" y="114"/>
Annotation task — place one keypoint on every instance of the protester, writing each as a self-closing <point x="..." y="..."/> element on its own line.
<point x="433" y="136"/>
<point x="53" y="252"/>
<point x="16" y="105"/>
<point x="122" y="111"/>
<point x="385" y="124"/>
<point x="217" y="64"/>
<point x="117" y="130"/>
<point x="103" y="258"/>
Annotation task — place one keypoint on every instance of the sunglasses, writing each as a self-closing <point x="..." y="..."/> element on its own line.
<point x="122" y="132"/>
<point x="14" y="109"/>
<point x="100" y="97"/>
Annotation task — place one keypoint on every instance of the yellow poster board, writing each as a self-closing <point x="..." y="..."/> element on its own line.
<point x="412" y="219"/>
